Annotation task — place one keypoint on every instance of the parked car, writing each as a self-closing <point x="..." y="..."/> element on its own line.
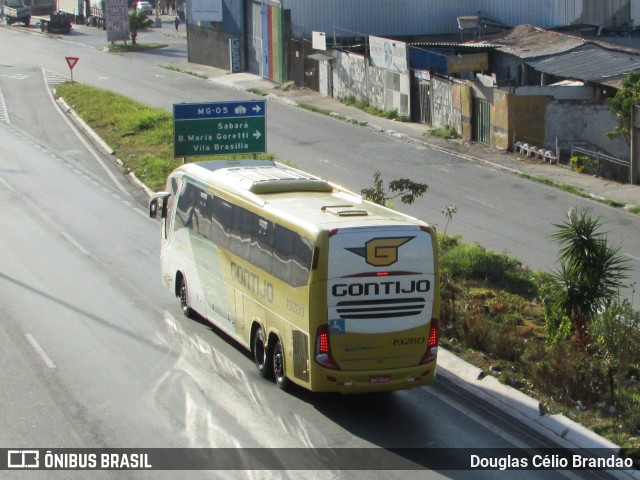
<point x="144" y="7"/>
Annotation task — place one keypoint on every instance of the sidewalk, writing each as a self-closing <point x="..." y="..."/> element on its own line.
<point x="600" y="188"/>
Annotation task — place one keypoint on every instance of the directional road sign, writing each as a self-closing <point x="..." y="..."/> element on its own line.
<point x="221" y="128"/>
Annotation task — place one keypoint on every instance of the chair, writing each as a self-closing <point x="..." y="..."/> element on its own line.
<point x="550" y="156"/>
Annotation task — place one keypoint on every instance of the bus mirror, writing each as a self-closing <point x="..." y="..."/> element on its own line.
<point x="153" y="204"/>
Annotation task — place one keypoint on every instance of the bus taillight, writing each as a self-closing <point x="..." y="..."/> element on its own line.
<point x="323" y="348"/>
<point x="432" y="344"/>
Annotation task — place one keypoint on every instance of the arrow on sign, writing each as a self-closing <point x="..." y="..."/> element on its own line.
<point x="257" y="134"/>
<point x="257" y="108"/>
<point x="71" y="61"/>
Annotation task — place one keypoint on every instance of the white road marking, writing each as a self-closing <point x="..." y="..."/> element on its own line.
<point x="637" y="259"/>
<point x="75" y="244"/>
<point x="140" y="212"/>
<point x="4" y="116"/>
<point x="40" y="351"/>
<point x="6" y="185"/>
<point x="89" y="148"/>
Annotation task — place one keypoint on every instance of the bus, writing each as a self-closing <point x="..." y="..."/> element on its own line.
<point x="326" y="290"/>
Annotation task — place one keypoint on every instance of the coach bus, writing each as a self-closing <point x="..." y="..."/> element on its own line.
<point x="328" y="291"/>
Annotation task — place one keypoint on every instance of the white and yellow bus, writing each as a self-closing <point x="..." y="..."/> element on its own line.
<point x="327" y="290"/>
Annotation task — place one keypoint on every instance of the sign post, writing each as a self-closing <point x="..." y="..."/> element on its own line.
<point x="71" y="61"/>
<point x="219" y="128"/>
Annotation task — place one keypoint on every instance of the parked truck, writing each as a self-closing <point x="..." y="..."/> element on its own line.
<point x="58" y="22"/>
<point x="17" y="13"/>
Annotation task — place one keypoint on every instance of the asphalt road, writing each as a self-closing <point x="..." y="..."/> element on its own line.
<point x="95" y="353"/>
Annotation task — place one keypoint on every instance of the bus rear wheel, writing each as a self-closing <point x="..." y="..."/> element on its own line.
<point x="278" y="366"/>
<point x="261" y="354"/>
<point x="183" y="293"/>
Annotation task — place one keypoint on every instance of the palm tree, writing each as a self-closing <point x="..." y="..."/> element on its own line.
<point x="138" y="21"/>
<point x="448" y="211"/>
<point x="590" y="274"/>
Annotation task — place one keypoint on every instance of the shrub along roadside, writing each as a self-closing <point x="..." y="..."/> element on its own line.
<point x="492" y="315"/>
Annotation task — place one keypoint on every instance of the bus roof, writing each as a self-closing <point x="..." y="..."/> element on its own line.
<point x="292" y="193"/>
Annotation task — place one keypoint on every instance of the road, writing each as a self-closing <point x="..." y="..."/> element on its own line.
<point x="95" y="353"/>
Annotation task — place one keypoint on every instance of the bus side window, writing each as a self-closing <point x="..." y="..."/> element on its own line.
<point x="302" y="257"/>
<point x="262" y="243"/>
<point x="185" y="206"/>
<point x="283" y="253"/>
<point x="203" y="213"/>
<point x="240" y="241"/>
<point x="221" y="220"/>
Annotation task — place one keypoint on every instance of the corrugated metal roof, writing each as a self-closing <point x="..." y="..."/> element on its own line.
<point x="589" y="63"/>
<point x="527" y="41"/>
<point x="457" y="45"/>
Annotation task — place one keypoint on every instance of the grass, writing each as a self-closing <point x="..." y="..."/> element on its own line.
<point x="576" y="191"/>
<point x="445" y="132"/>
<point x="134" y="47"/>
<point x="364" y="106"/>
<point x="492" y="315"/>
<point x="323" y="111"/>
<point x="176" y="69"/>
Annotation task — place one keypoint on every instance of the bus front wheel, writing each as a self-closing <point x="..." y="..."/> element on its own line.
<point x="261" y="354"/>
<point x="183" y="293"/>
<point x="278" y="366"/>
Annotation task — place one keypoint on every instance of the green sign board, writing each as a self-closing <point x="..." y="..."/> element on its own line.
<point x="222" y="128"/>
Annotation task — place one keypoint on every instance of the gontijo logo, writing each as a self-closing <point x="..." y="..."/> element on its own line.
<point x="381" y="252"/>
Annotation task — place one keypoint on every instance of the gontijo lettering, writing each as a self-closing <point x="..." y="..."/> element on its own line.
<point x="252" y="282"/>
<point x="381" y="288"/>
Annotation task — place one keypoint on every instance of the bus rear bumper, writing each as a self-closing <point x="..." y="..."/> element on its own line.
<point x="374" y="380"/>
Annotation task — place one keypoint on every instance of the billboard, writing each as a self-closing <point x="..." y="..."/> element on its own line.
<point x="205" y="11"/>
<point x="389" y="54"/>
<point x="117" y="20"/>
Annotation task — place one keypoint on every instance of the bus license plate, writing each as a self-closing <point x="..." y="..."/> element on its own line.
<point x="380" y="379"/>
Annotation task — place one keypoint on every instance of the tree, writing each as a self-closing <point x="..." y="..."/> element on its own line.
<point x="138" y="21"/>
<point x="448" y="211"/>
<point x="622" y="103"/>
<point x="404" y="188"/>
<point x="590" y="274"/>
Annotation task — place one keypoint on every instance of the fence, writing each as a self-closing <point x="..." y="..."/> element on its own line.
<point x="603" y="165"/>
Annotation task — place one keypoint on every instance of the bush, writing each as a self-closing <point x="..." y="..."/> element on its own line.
<point x="473" y="262"/>
<point x="568" y="373"/>
<point x="445" y="132"/>
<point x="585" y="164"/>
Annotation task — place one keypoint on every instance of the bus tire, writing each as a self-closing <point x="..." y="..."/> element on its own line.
<point x="261" y="354"/>
<point x="279" y="371"/>
<point x="183" y="294"/>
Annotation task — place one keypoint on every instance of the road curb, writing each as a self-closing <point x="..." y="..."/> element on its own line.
<point x="99" y="141"/>
<point x="525" y="409"/>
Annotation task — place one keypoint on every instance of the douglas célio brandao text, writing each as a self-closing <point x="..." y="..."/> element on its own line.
<point x="549" y="462"/>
